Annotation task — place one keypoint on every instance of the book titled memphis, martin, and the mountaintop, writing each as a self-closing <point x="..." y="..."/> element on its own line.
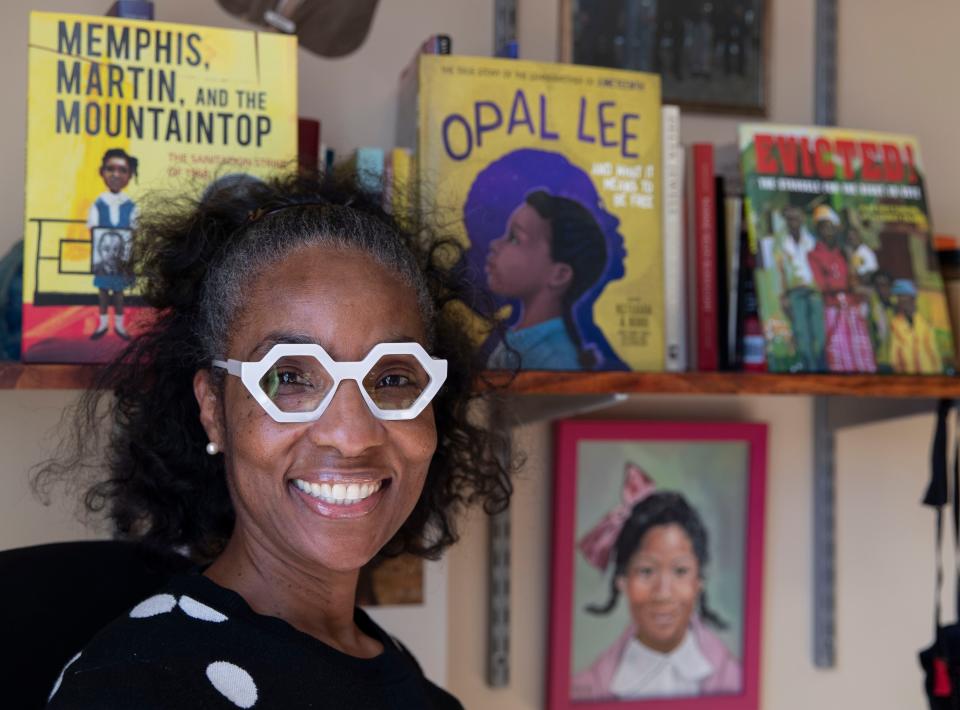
<point x="117" y="108"/>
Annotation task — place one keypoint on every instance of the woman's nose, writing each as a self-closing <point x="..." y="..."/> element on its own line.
<point x="347" y="424"/>
<point x="662" y="587"/>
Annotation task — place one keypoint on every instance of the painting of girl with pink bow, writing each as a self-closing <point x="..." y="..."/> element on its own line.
<point x="657" y="565"/>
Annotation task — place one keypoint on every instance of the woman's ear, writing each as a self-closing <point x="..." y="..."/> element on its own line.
<point x="206" y="394"/>
<point x="621" y="583"/>
<point x="560" y="275"/>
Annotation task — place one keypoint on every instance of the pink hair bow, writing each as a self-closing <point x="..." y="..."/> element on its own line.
<point x="597" y="544"/>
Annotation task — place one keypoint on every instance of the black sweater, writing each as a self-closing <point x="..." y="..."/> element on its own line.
<point x="195" y="644"/>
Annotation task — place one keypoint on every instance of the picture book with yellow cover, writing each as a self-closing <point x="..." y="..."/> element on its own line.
<point x="846" y="275"/>
<point x="119" y="110"/>
<point x="552" y="176"/>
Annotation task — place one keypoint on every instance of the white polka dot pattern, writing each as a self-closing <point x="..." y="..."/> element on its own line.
<point x="234" y="683"/>
<point x="198" y="610"/>
<point x="157" y="604"/>
<point x="56" y="686"/>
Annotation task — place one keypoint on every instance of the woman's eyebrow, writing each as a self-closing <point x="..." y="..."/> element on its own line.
<point x="277" y="337"/>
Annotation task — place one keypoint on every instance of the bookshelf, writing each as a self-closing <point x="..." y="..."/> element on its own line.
<point x="20" y="376"/>
<point x="742" y="383"/>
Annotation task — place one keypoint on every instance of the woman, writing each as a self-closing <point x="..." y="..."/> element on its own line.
<point x="298" y="407"/>
<point x="550" y="255"/>
<point x="659" y="552"/>
<point x="113" y="208"/>
<point x="848" y="345"/>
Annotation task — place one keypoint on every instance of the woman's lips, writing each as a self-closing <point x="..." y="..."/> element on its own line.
<point x="339" y="499"/>
<point x="662" y="619"/>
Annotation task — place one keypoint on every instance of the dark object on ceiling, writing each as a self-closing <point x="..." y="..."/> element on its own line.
<point x="330" y="28"/>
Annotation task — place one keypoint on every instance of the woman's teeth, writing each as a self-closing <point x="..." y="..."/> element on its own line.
<point x="338" y="493"/>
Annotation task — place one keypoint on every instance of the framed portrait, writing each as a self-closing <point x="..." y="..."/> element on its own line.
<point x="657" y="566"/>
<point x="112" y="248"/>
<point x="711" y="54"/>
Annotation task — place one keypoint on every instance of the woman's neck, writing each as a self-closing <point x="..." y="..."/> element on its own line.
<point x="319" y="603"/>
<point x="540" y="307"/>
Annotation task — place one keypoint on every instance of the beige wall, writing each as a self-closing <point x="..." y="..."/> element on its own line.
<point x="883" y="546"/>
<point x="898" y="63"/>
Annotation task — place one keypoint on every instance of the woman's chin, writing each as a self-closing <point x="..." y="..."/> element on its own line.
<point x="339" y="560"/>
<point x="660" y="634"/>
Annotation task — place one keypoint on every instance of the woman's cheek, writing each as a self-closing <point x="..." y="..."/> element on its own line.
<point x="638" y="591"/>
<point x="689" y="590"/>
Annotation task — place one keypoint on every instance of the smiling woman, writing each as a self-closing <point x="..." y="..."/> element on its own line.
<point x="299" y="407"/>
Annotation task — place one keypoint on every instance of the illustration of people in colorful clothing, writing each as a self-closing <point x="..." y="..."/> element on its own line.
<point x="863" y="259"/>
<point x="848" y="345"/>
<point x="913" y="348"/>
<point x="881" y="309"/>
<point x="801" y="300"/>
<point x="111" y="219"/>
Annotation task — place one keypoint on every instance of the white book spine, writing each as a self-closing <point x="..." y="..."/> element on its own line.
<point x="674" y="269"/>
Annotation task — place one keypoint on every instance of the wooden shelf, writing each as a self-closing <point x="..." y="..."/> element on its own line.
<point x="565" y="383"/>
<point x="18" y="376"/>
<point x="15" y="375"/>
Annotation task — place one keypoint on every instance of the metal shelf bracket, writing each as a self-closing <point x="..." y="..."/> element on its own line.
<point x="517" y="411"/>
<point x="831" y="414"/>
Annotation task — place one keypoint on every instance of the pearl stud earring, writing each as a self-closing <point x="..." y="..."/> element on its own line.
<point x="213" y="449"/>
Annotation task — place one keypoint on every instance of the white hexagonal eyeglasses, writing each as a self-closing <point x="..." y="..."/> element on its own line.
<point x="297" y="382"/>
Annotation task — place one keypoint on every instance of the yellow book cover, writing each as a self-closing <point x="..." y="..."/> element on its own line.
<point x="397" y="187"/>
<point x="118" y="109"/>
<point x="553" y="171"/>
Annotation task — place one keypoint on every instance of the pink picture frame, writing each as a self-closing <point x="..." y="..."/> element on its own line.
<point x="614" y="481"/>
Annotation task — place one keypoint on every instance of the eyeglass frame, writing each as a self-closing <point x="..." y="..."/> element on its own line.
<point x="251" y="372"/>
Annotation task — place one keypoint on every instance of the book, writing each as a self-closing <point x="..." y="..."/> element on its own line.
<point x="751" y="352"/>
<point x="846" y="276"/>
<point x="729" y="268"/>
<point x="366" y="166"/>
<point x="118" y="110"/>
<point x="551" y="175"/>
<point x="399" y="193"/>
<point x="729" y="191"/>
<point x="308" y="143"/>
<point x="702" y="256"/>
<point x="407" y="88"/>
<point x="674" y="250"/>
<point x="132" y="9"/>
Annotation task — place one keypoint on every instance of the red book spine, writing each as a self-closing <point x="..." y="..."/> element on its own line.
<point x="705" y="253"/>
<point x="308" y="143"/>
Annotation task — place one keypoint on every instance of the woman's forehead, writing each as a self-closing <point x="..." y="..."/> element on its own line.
<point x="342" y="300"/>
<point x="528" y="220"/>
<point x="662" y="537"/>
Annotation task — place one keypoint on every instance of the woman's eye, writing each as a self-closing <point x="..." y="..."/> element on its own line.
<point x="279" y="382"/>
<point x="681" y="571"/>
<point x="644" y="572"/>
<point x="290" y="378"/>
<point x="394" y="380"/>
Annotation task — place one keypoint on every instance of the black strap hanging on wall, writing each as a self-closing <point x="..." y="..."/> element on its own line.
<point x="941" y="661"/>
